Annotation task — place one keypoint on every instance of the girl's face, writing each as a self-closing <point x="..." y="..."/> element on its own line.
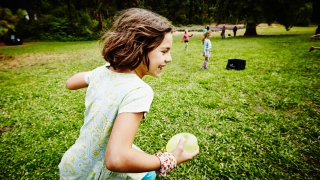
<point x="209" y="35"/>
<point x="159" y="58"/>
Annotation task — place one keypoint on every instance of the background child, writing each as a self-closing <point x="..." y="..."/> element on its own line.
<point x="138" y="44"/>
<point x="206" y="49"/>
<point x="223" y="32"/>
<point x="185" y="39"/>
<point x="235" y="28"/>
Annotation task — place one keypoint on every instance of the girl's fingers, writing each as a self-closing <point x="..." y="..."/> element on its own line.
<point x="181" y="142"/>
<point x="192" y="154"/>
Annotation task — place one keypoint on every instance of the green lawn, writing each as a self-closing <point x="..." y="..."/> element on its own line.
<point x="260" y="123"/>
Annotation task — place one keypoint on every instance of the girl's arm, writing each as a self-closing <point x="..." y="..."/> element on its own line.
<point x="121" y="157"/>
<point x="77" y="81"/>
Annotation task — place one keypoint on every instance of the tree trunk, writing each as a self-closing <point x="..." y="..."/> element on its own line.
<point x="100" y="18"/>
<point x="251" y="29"/>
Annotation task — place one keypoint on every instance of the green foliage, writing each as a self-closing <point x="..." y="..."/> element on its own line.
<point x="285" y="12"/>
<point x="259" y="123"/>
<point x="108" y="23"/>
<point x="8" y="20"/>
<point x="304" y="14"/>
<point x="85" y="19"/>
<point x="49" y="27"/>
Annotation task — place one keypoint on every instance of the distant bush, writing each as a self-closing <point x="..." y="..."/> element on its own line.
<point x="48" y="27"/>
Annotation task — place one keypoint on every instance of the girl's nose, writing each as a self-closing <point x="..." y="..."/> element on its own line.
<point x="168" y="59"/>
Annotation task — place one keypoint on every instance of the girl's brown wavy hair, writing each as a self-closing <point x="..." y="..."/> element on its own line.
<point x="206" y="35"/>
<point x="133" y="35"/>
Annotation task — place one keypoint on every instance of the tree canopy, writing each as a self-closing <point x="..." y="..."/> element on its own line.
<point x="84" y="19"/>
<point x="253" y="12"/>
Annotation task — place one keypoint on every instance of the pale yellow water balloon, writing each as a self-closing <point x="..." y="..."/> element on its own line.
<point x="190" y="145"/>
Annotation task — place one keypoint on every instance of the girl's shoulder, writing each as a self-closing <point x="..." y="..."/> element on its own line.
<point x="105" y="78"/>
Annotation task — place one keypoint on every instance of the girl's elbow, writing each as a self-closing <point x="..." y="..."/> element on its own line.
<point x="112" y="166"/>
<point x="114" y="163"/>
<point x="69" y="86"/>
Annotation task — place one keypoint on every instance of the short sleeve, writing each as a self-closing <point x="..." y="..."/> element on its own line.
<point x="92" y="74"/>
<point x="88" y="77"/>
<point x="137" y="100"/>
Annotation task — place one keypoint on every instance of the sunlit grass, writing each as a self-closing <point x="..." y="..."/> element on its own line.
<point x="260" y="123"/>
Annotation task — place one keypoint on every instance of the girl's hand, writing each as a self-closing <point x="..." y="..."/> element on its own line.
<point x="181" y="155"/>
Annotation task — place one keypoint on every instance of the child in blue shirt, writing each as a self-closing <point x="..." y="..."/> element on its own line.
<point x="206" y="49"/>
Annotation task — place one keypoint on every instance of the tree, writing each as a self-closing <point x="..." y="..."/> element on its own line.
<point x="8" y="20"/>
<point x="315" y="12"/>
<point x="63" y="19"/>
<point x="253" y="12"/>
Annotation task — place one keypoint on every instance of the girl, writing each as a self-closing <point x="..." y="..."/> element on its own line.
<point x="185" y="39"/>
<point x="206" y="49"/>
<point x="138" y="44"/>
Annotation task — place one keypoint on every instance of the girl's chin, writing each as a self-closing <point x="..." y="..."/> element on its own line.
<point x="157" y="74"/>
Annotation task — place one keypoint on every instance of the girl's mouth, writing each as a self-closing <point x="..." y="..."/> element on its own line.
<point x="161" y="67"/>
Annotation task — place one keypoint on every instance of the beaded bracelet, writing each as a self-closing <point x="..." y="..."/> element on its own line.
<point x="167" y="163"/>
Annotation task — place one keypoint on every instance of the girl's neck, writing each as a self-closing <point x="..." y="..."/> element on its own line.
<point x="125" y="71"/>
<point x="120" y="70"/>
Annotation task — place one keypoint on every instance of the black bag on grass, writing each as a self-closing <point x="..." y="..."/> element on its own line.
<point x="237" y="64"/>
